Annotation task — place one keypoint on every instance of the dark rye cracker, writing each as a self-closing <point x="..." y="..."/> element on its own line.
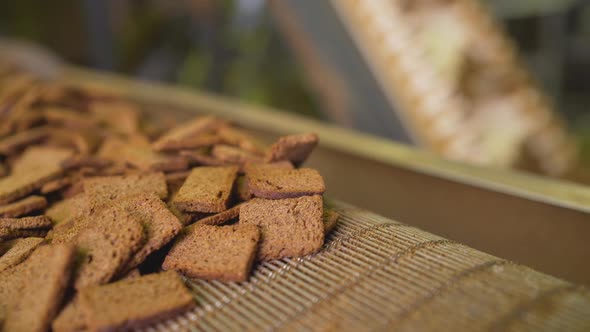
<point x="40" y="282"/>
<point x="201" y="158"/>
<point x="214" y="252"/>
<point x="85" y="161"/>
<point x="291" y="227"/>
<point x="135" y="303"/>
<point x="106" y="245"/>
<point x="36" y="166"/>
<point x="205" y="140"/>
<point x="55" y="185"/>
<point x="294" y="148"/>
<point x="141" y="156"/>
<point x="18" y="251"/>
<point x="234" y="155"/>
<point x="222" y="217"/>
<point x="190" y="129"/>
<point x="277" y="183"/>
<point x="23" y="207"/>
<point x="106" y="189"/>
<point x="207" y="189"/>
<point x="159" y="224"/>
<point x="67" y="209"/>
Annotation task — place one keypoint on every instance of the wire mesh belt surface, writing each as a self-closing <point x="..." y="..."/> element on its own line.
<point x="376" y="274"/>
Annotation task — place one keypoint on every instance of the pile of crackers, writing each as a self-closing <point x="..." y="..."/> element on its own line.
<point x="104" y="215"/>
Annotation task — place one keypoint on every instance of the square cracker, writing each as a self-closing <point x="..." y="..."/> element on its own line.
<point x="36" y="166"/>
<point x="106" y="244"/>
<point x="160" y="225"/>
<point x="290" y="227"/>
<point x="277" y="183"/>
<point x="135" y="303"/>
<point x="107" y="189"/>
<point x="207" y="189"/>
<point x="214" y="252"/>
<point x="36" y="288"/>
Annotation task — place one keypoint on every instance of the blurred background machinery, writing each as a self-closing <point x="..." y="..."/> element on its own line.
<point x="441" y="74"/>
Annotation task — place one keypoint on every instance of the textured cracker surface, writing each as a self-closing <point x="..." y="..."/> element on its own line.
<point x="214" y="252"/>
<point x="291" y="227"/>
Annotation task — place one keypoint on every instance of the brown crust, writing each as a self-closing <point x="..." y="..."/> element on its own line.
<point x="291" y="227"/>
<point x="209" y="252"/>
<point x="207" y="189"/>
<point x="277" y="183"/>
<point x="23" y="207"/>
<point x="135" y="303"/>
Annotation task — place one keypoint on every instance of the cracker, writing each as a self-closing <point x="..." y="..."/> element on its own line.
<point x="207" y="189"/>
<point x="222" y="217"/>
<point x="67" y="209"/>
<point x="159" y="224"/>
<point x="23" y="207"/>
<point x="70" y="118"/>
<point x="111" y="188"/>
<point x="291" y="227"/>
<point x="205" y="140"/>
<point x="34" y="168"/>
<point x="70" y="319"/>
<point x="11" y="144"/>
<point x="277" y="183"/>
<point x="120" y="115"/>
<point x="241" y="139"/>
<point x="234" y="155"/>
<point x="55" y="185"/>
<point x="25" y="222"/>
<point x="141" y="156"/>
<point x="330" y="220"/>
<point x="135" y="303"/>
<point x="41" y="283"/>
<point x="85" y="161"/>
<point x="223" y="253"/>
<point x="18" y="251"/>
<point x="294" y="148"/>
<point x="9" y="234"/>
<point x="200" y="158"/>
<point x="107" y="244"/>
<point x="190" y="129"/>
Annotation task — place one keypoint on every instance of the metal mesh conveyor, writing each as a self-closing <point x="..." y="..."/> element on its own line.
<point x="377" y="274"/>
